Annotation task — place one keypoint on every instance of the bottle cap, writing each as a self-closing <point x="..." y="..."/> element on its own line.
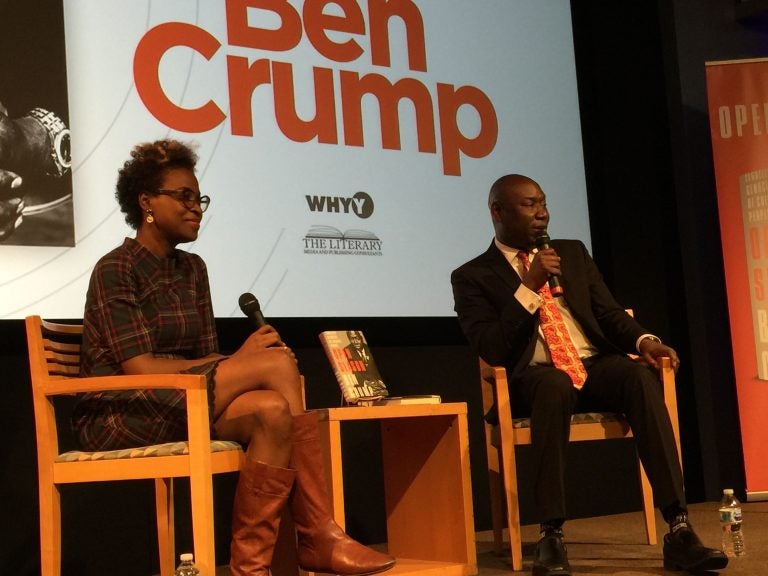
<point x="188" y="557"/>
<point x="728" y="491"/>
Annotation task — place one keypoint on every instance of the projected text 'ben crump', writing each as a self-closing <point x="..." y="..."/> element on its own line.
<point x="323" y="31"/>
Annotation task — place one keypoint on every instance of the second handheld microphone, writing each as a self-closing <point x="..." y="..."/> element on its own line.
<point x="251" y="308"/>
<point x="542" y="243"/>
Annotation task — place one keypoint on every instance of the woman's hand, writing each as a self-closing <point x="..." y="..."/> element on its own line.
<point x="263" y="338"/>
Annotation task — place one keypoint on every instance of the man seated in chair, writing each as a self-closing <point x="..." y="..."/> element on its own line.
<point x="567" y="354"/>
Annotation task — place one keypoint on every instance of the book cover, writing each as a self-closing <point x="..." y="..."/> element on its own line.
<point x="354" y="366"/>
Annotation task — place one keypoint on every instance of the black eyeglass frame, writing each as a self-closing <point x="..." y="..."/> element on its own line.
<point x="184" y="196"/>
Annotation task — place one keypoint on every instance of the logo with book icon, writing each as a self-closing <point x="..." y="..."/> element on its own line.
<point x="322" y="239"/>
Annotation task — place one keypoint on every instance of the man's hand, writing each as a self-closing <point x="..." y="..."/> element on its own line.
<point x="650" y="350"/>
<point x="545" y="263"/>
<point x="11" y="203"/>
<point x="8" y="134"/>
<point x="36" y="143"/>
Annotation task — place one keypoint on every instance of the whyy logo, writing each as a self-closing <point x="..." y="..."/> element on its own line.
<point x="361" y="204"/>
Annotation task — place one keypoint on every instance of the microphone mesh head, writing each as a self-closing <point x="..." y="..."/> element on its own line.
<point x="248" y="302"/>
<point x="542" y="240"/>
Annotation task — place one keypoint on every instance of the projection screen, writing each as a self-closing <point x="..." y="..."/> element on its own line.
<point x="348" y="146"/>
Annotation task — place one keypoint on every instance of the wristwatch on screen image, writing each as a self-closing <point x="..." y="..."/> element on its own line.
<point x="59" y="141"/>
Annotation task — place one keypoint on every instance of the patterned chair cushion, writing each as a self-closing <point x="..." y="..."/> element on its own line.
<point x="167" y="449"/>
<point x="581" y="418"/>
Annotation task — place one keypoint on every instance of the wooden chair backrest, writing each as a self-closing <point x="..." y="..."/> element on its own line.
<point x="61" y="343"/>
<point x="54" y="354"/>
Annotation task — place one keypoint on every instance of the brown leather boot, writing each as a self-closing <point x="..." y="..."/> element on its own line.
<point x="260" y="497"/>
<point x="323" y="545"/>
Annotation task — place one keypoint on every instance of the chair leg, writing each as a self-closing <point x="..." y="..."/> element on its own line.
<point x="201" y="496"/>
<point x="648" y="509"/>
<point x="50" y="529"/>
<point x="165" y="525"/>
<point x="513" y="523"/>
<point x="509" y="471"/>
<point x="496" y="493"/>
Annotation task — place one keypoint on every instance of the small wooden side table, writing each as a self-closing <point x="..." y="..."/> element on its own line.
<point x="427" y="485"/>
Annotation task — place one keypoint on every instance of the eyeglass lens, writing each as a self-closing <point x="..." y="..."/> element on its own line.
<point x="187" y="197"/>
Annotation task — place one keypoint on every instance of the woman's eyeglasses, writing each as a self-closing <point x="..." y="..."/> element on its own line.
<point x="188" y="197"/>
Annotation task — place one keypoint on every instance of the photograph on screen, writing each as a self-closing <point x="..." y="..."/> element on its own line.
<point x="36" y="207"/>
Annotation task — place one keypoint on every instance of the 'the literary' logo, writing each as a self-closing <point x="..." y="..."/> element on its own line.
<point x="330" y="240"/>
<point x="335" y="38"/>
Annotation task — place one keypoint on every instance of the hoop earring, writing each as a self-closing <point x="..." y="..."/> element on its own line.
<point x="150" y="218"/>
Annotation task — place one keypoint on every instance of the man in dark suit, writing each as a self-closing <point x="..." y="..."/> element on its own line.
<point x="499" y="298"/>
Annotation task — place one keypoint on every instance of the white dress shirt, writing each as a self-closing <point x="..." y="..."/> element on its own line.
<point x="531" y="301"/>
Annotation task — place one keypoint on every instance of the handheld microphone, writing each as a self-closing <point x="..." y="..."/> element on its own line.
<point x="250" y="307"/>
<point x="542" y="243"/>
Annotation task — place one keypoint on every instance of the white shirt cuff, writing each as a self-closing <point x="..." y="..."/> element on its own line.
<point x="643" y="337"/>
<point x="529" y="299"/>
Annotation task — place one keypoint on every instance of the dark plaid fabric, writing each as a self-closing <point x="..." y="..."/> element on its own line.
<point x="139" y="303"/>
<point x="137" y="417"/>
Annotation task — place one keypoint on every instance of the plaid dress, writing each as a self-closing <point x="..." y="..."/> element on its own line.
<point x="139" y="303"/>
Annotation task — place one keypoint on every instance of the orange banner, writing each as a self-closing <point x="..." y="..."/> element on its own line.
<point x="738" y="114"/>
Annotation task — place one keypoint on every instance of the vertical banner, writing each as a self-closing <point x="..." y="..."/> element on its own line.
<point x="738" y="113"/>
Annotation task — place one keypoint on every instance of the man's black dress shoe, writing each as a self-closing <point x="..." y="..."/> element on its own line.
<point x="551" y="556"/>
<point x="684" y="551"/>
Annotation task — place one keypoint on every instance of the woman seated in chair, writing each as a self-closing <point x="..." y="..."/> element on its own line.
<point x="148" y="311"/>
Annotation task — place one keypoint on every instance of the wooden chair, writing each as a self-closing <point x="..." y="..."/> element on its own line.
<point x="54" y="360"/>
<point x="500" y="442"/>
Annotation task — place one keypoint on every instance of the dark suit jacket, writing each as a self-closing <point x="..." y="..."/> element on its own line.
<point x="503" y="333"/>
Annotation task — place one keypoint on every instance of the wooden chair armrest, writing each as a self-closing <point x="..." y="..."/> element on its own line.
<point x="667" y="377"/>
<point x="496" y="391"/>
<point x="65" y="386"/>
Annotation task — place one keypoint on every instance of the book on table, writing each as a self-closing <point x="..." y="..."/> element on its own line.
<point x="411" y="399"/>
<point x="356" y="372"/>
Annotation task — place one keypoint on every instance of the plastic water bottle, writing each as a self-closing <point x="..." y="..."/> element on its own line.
<point x="730" y="521"/>
<point x="187" y="566"/>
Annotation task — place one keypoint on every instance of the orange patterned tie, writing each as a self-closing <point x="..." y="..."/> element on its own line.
<point x="561" y="347"/>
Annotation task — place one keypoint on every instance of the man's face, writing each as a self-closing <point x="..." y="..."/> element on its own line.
<point x="355" y="340"/>
<point x="520" y="215"/>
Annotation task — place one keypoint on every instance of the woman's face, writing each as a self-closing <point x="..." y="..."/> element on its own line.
<point x="176" y="220"/>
